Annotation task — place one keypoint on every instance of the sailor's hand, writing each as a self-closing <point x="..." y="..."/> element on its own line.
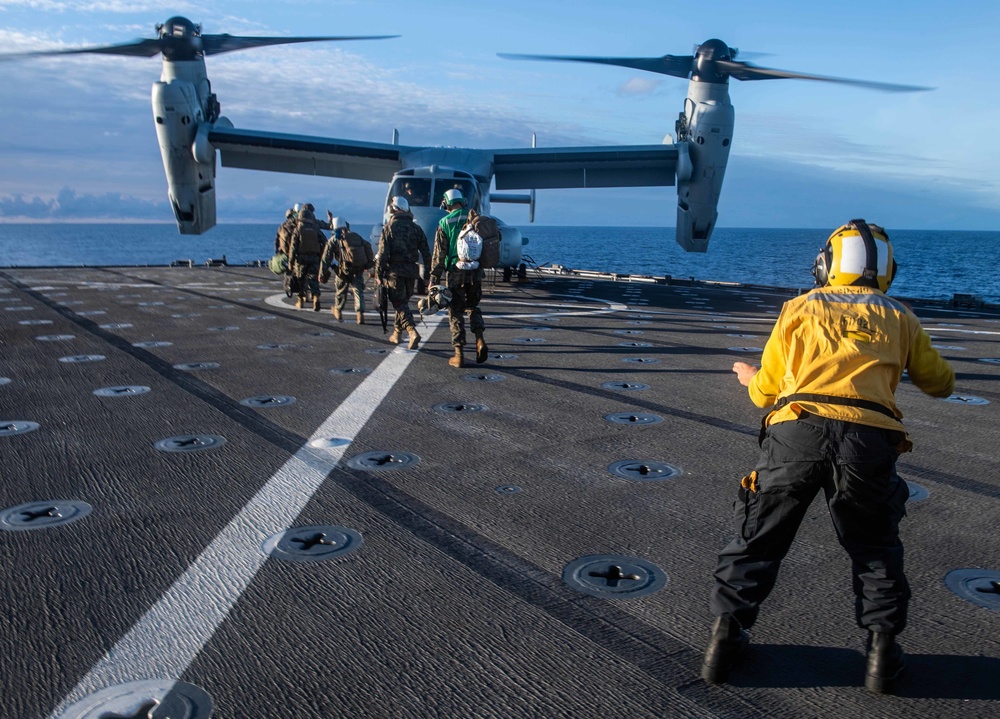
<point x="744" y="372"/>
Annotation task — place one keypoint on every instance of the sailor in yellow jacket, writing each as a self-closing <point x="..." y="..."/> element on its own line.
<point x="829" y="371"/>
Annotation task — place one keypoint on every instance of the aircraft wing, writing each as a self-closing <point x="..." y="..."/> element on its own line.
<point x="616" y="166"/>
<point x="306" y="155"/>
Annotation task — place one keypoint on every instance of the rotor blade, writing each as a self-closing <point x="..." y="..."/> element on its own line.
<point x="217" y="44"/>
<point x="675" y="65"/>
<point x="139" y="48"/>
<point x="746" y="71"/>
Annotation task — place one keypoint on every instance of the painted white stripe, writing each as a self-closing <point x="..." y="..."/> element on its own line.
<point x="958" y="330"/>
<point x="168" y="637"/>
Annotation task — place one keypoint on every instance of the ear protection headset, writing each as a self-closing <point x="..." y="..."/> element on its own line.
<point x="868" y="276"/>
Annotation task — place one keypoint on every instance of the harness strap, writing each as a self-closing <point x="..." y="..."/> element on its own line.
<point x="831" y="399"/>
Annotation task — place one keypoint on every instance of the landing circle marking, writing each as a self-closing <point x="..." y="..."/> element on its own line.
<point x="614" y="577"/>
<point x="121" y="391"/>
<point x="979" y="586"/>
<point x="382" y="461"/>
<point x="42" y="515"/>
<point x="965" y="399"/>
<point x="643" y="471"/>
<point x="314" y="543"/>
<point x="189" y="443"/>
<point x="148" y="698"/>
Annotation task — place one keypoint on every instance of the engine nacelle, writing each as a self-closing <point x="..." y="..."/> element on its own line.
<point x="511" y="244"/>
<point x="190" y="180"/>
<point x="708" y="122"/>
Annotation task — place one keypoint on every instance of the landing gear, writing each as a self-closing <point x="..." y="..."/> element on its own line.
<point x="507" y="274"/>
<point x="522" y="271"/>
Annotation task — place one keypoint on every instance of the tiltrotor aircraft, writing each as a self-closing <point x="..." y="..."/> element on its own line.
<point x="192" y="133"/>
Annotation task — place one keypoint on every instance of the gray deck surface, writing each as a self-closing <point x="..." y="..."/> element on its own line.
<point x="454" y="605"/>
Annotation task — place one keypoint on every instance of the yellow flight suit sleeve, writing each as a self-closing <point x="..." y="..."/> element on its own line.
<point x="927" y="369"/>
<point x="766" y="384"/>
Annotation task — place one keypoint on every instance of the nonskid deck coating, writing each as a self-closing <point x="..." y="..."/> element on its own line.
<point x="454" y="605"/>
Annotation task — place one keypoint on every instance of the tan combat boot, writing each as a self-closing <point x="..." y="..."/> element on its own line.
<point x="482" y="351"/>
<point x="394" y="337"/>
<point x="361" y="318"/>
<point x="316" y="304"/>
<point x="337" y="314"/>
<point x="457" y="360"/>
<point x="414" y="337"/>
<point x="300" y="302"/>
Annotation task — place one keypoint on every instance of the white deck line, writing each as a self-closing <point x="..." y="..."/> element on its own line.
<point x="165" y="641"/>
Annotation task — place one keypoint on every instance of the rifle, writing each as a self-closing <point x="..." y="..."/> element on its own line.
<point x="382" y="296"/>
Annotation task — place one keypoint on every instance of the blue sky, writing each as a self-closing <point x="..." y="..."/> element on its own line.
<point x="77" y="138"/>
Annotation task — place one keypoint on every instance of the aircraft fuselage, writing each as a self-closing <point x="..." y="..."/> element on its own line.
<point x="424" y="187"/>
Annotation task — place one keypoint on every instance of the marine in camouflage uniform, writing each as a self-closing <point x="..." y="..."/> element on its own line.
<point x="466" y="285"/>
<point x="346" y="277"/>
<point x="284" y="235"/>
<point x="304" y="251"/>
<point x="401" y="243"/>
<point x="281" y="242"/>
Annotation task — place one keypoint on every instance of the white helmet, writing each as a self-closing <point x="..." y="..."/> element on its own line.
<point x="439" y="295"/>
<point x="297" y="208"/>
<point x="338" y="223"/>
<point x="452" y="196"/>
<point x="400" y="203"/>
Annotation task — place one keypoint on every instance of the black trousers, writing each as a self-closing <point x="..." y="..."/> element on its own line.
<point x="855" y="466"/>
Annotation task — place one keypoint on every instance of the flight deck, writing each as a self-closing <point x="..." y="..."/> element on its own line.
<point x="215" y="502"/>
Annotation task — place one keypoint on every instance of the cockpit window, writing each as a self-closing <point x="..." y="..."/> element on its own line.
<point x="466" y="187"/>
<point x="416" y="190"/>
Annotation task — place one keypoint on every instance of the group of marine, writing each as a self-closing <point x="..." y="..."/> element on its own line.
<point x="346" y="256"/>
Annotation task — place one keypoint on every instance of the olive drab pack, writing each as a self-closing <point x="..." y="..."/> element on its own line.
<point x="356" y="253"/>
<point x="478" y="243"/>
<point x="310" y="241"/>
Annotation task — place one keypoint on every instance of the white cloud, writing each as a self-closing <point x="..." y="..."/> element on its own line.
<point x="640" y="86"/>
<point x="93" y="6"/>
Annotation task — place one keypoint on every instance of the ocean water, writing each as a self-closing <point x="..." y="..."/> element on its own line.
<point x="933" y="264"/>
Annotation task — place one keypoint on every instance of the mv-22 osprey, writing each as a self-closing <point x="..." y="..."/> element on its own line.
<point x="192" y="132"/>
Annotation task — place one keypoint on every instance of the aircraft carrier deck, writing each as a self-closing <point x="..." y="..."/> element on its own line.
<point x="294" y="519"/>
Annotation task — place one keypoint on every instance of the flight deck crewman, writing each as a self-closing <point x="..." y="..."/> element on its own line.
<point x="829" y="371"/>
<point x="402" y="242"/>
<point x="466" y="285"/>
<point x="304" y="251"/>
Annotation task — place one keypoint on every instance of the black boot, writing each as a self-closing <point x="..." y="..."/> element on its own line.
<point x="727" y="644"/>
<point x="885" y="663"/>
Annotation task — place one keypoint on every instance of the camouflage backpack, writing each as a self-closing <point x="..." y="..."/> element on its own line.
<point x="356" y="253"/>
<point x="489" y="232"/>
<point x="310" y="240"/>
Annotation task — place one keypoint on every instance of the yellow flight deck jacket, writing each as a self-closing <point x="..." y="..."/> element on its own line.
<point x="849" y="342"/>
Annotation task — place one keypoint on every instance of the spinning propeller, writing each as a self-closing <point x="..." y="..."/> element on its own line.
<point x="715" y="62"/>
<point x="180" y="39"/>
